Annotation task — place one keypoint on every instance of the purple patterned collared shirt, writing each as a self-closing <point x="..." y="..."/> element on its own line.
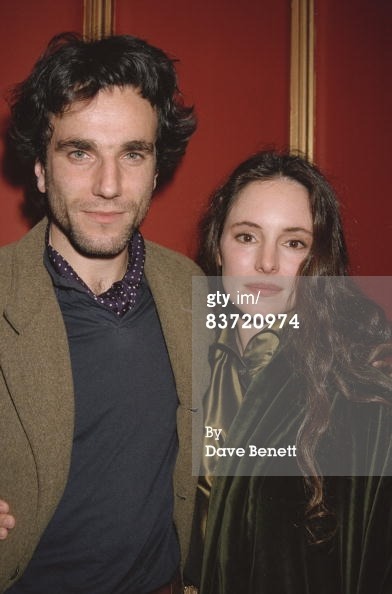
<point x="121" y="296"/>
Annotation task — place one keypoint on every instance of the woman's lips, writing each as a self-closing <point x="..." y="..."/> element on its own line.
<point x="264" y="289"/>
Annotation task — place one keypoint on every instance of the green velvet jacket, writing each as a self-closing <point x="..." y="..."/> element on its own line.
<point x="257" y="540"/>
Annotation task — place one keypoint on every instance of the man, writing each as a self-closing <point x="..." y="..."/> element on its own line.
<point x="95" y="388"/>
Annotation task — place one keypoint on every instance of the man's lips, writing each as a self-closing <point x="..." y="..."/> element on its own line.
<point x="264" y="289"/>
<point x="102" y="216"/>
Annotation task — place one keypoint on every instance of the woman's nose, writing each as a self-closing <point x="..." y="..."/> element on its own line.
<point x="267" y="259"/>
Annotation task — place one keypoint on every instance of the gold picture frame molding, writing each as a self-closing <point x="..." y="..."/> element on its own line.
<point x="98" y="18"/>
<point x="302" y="78"/>
<point x="99" y="21"/>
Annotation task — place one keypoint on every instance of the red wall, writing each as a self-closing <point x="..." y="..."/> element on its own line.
<point x="234" y="67"/>
<point x="354" y="122"/>
<point x="25" y="28"/>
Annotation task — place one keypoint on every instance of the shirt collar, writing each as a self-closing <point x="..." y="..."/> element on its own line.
<point x="122" y="295"/>
<point x="259" y="350"/>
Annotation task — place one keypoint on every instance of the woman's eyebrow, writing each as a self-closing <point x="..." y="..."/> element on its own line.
<point x="297" y="229"/>
<point x="247" y="223"/>
<point x="285" y="230"/>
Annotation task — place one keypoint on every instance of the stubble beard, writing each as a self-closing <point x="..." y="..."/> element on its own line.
<point x="106" y="246"/>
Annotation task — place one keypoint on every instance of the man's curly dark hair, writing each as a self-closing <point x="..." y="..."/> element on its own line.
<point x="72" y="69"/>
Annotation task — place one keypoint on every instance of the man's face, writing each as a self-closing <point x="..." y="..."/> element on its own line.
<point x="100" y="172"/>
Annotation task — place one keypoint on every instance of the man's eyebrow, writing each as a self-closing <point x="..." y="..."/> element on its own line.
<point x="285" y="230"/>
<point x="75" y="143"/>
<point x="139" y="145"/>
<point x="86" y="145"/>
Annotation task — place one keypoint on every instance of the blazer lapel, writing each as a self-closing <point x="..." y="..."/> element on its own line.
<point x="173" y="300"/>
<point x="35" y="361"/>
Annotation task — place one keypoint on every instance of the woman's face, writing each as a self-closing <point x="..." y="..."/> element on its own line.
<point x="266" y="237"/>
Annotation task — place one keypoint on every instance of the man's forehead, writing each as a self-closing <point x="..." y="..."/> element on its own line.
<point x="118" y="113"/>
<point x="128" y="93"/>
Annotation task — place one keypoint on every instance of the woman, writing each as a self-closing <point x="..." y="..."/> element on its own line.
<point x="287" y="525"/>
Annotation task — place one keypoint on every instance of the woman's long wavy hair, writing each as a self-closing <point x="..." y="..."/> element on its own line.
<point x="351" y="329"/>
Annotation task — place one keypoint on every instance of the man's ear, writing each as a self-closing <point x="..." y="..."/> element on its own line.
<point x="219" y="258"/>
<point x="39" y="171"/>
<point x="155" y="181"/>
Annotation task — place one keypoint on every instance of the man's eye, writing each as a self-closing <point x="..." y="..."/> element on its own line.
<point x="134" y="156"/>
<point x="78" y="154"/>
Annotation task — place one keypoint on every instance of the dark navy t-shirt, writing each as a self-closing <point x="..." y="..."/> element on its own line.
<point x="113" y="531"/>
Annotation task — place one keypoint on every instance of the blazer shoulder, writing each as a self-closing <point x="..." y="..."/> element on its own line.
<point x="171" y="260"/>
<point x="7" y="254"/>
<point x="22" y="257"/>
<point x="30" y="246"/>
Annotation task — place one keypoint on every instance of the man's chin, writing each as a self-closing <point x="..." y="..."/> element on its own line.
<point x="90" y="243"/>
<point x="90" y="248"/>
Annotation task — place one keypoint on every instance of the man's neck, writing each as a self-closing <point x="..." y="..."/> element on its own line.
<point x="99" y="274"/>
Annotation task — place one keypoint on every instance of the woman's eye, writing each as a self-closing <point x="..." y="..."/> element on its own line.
<point x="295" y="244"/>
<point x="244" y="238"/>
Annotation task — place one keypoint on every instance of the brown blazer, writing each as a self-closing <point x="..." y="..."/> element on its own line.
<point x="36" y="395"/>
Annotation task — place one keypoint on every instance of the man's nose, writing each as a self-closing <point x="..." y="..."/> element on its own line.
<point x="107" y="180"/>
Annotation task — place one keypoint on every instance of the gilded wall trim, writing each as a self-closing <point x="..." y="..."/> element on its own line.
<point x="98" y="18"/>
<point x="302" y="79"/>
<point x="98" y="21"/>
